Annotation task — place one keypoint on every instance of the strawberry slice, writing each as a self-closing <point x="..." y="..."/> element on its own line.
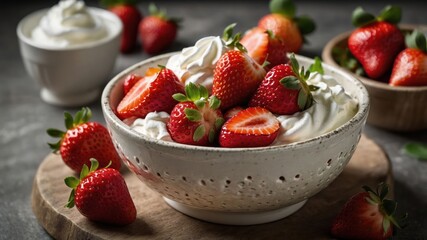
<point x="151" y="93"/>
<point x="130" y="81"/>
<point x="251" y="127"/>
<point x="264" y="47"/>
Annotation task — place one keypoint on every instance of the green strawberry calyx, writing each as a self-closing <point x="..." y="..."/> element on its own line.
<point x="298" y="82"/>
<point x="81" y="117"/>
<point x="288" y="9"/>
<point x="386" y="206"/>
<point x="112" y="3"/>
<point x="162" y="14"/>
<point x="416" y="40"/>
<point x="232" y="40"/>
<point x="72" y="182"/>
<point x="391" y="14"/>
<point x="199" y="95"/>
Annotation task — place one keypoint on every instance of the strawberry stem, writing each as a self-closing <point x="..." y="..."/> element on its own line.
<point x="285" y="7"/>
<point x="416" y="40"/>
<point x="391" y="14"/>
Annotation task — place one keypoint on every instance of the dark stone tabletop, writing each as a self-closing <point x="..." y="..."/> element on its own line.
<point x="25" y="117"/>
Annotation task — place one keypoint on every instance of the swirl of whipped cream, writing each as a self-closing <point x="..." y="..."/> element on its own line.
<point x="196" y="64"/>
<point x="332" y="108"/>
<point x="153" y="125"/>
<point x="69" y="23"/>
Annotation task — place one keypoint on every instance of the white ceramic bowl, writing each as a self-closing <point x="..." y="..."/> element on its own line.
<point x="75" y="75"/>
<point x="238" y="186"/>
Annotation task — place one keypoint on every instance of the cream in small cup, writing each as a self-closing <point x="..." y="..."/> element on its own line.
<point x="70" y="50"/>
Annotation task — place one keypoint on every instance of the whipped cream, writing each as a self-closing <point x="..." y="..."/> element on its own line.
<point x="331" y="109"/>
<point x="153" y="125"/>
<point x="69" y="23"/>
<point x="196" y="64"/>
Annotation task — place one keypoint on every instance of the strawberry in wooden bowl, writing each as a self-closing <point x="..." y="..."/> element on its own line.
<point x="388" y="65"/>
<point x="221" y="154"/>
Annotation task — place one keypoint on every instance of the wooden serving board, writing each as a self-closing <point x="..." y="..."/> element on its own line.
<point x="156" y="220"/>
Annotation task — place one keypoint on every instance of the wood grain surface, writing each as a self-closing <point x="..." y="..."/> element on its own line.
<point x="156" y="220"/>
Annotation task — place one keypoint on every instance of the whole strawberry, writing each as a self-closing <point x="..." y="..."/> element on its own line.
<point x="130" y="16"/>
<point x="151" y="93"/>
<point x="236" y="74"/>
<point x="84" y="140"/>
<point x="410" y="65"/>
<point x="157" y="31"/>
<point x="284" y="89"/>
<point x="285" y="25"/>
<point x="101" y="195"/>
<point x="251" y="127"/>
<point x="377" y="40"/>
<point x="196" y="119"/>
<point x="367" y="215"/>
<point x="264" y="47"/>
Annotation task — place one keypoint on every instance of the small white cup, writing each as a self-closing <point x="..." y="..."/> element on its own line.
<point x="75" y="75"/>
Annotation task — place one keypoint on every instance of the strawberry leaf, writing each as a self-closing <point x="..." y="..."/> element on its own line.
<point x="391" y="14"/>
<point x="211" y="135"/>
<point x="72" y="182"/>
<point x="94" y="165"/>
<point x="284" y="7"/>
<point x="219" y="122"/>
<point x="302" y="99"/>
<point x="316" y="66"/>
<point x="389" y="207"/>
<point x="361" y="18"/>
<point x="200" y="103"/>
<point x="416" y="40"/>
<point x="305" y="24"/>
<point x="199" y="133"/>
<point x="55" y="132"/>
<point x="84" y="172"/>
<point x="70" y="203"/>
<point x="228" y="32"/>
<point x="55" y="146"/>
<point x="69" y="123"/>
<point x="192" y="91"/>
<point x="214" y="102"/>
<point x="180" y="97"/>
<point x="386" y="225"/>
<point x="291" y="82"/>
<point x="193" y="115"/>
<point x="416" y="150"/>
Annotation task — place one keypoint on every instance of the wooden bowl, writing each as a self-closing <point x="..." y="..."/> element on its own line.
<point x="393" y="108"/>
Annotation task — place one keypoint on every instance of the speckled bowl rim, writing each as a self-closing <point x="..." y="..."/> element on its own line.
<point x="328" y="59"/>
<point x="358" y="118"/>
<point x="98" y="11"/>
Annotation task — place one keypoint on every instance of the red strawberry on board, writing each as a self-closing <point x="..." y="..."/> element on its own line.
<point x="262" y="45"/>
<point x="130" y="16"/>
<point x="101" y="195"/>
<point x="151" y="93"/>
<point x="285" y="25"/>
<point x="284" y="89"/>
<point x="157" y="31"/>
<point x="366" y="215"/>
<point x="410" y="66"/>
<point x="196" y="119"/>
<point x="236" y="75"/>
<point x="251" y="127"/>
<point x="377" y="40"/>
<point x="84" y="140"/>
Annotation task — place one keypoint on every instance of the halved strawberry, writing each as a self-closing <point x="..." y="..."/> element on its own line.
<point x="151" y="93"/>
<point x="252" y="127"/>
<point x="284" y="89"/>
<point x="130" y="81"/>
<point x="196" y="119"/>
<point x="264" y="47"/>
